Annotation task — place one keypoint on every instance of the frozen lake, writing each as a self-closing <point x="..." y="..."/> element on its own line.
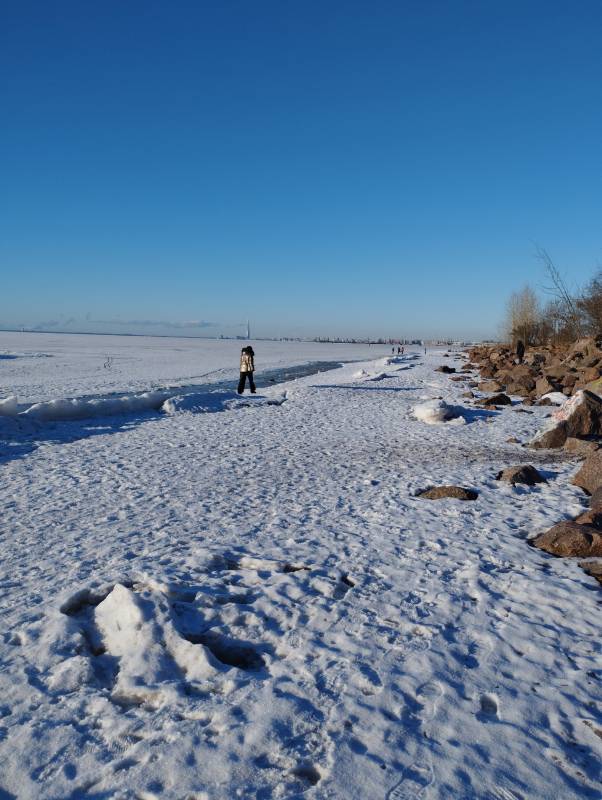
<point x="41" y="366"/>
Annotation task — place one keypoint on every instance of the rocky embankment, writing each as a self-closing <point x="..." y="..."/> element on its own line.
<point x="546" y="376"/>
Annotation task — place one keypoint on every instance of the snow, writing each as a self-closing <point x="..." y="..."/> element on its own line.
<point x="244" y="597"/>
<point x="557" y="398"/>
<point x="435" y="411"/>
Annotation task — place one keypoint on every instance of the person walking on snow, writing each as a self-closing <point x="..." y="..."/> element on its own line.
<point x="247" y="368"/>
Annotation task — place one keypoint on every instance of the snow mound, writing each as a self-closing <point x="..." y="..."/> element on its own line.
<point x="361" y="373"/>
<point x="83" y="408"/>
<point x="9" y="407"/>
<point x="152" y="655"/>
<point x="434" y="412"/>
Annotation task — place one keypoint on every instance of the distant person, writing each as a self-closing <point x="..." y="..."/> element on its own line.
<point x="520" y="350"/>
<point x="247" y="368"/>
<point x="392" y="351"/>
<point x="403" y="350"/>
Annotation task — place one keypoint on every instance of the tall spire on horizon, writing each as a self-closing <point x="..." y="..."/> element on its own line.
<point x="248" y="330"/>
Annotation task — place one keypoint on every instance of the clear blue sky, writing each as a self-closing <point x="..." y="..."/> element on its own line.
<point x="339" y="167"/>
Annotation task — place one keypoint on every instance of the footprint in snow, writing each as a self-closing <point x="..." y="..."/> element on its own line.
<point x="428" y="695"/>
<point x="414" y="783"/>
<point x="489" y="705"/>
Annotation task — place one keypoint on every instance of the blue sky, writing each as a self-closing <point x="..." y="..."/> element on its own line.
<point x="344" y="168"/>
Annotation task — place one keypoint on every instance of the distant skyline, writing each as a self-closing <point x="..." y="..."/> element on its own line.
<point x="341" y="169"/>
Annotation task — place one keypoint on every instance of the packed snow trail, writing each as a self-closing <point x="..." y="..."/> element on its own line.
<point x="255" y="604"/>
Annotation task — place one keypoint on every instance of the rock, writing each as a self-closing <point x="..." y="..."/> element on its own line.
<point x="522" y="411"/>
<point x="595" y="501"/>
<point x="496" y="400"/>
<point x="524" y="473"/>
<point x="512" y="440"/>
<point x="545" y="385"/>
<point x="579" y="417"/>
<point x="548" y="439"/>
<point x="580" y="447"/>
<point x="569" y="539"/>
<point x="595" y="387"/>
<point x="591" y="517"/>
<point x="589" y="476"/>
<point x="593" y="568"/>
<point x="446" y="369"/>
<point x="439" y="492"/>
<point x="467" y="394"/>
<point x="490" y="386"/>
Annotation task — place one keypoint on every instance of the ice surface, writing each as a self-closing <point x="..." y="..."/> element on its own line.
<point x="255" y="604"/>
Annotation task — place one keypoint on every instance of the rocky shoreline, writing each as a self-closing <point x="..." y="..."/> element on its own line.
<point x="570" y="378"/>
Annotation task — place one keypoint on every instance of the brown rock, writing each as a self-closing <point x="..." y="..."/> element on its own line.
<point x="490" y="386"/>
<point x="580" y="447"/>
<point x="595" y="501"/>
<point x="446" y="369"/>
<point x="579" y="417"/>
<point x="591" y="517"/>
<point x="523" y="473"/>
<point x="467" y="394"/>
<point x="593" y="568"/>
<point x="456" y="492"/>
<point x="545" y="385"/>
<point x="569" y="539"/>
<point x="595" y="387"/>
<point x="495" y="400"/>
<point x="555" y="437"/>
<point x="589" y="476"/>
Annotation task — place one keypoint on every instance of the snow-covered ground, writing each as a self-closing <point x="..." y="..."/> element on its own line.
<point x="245" y="598"/>
<point x="38" y="367"/>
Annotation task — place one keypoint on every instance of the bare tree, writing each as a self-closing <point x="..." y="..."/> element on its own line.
<point x="568" y="318"/>
<point x="523" y="317"/>
<point x="590" y="304"/>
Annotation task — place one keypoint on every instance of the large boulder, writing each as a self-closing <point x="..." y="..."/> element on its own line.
<point x="446" y="369"/>
<point x="591" y="517"/>
<point x="595" y="501"/>
<point x="524" y="473"/>
<point x="440" y="492"/>
<point x="589" y="476"/>
<point x="580" y="447"/>
<point x="495" y="400"/>
<point x="579" y="417"/>
<point x="490" y="386"/>
<point x="570" y="539"/>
